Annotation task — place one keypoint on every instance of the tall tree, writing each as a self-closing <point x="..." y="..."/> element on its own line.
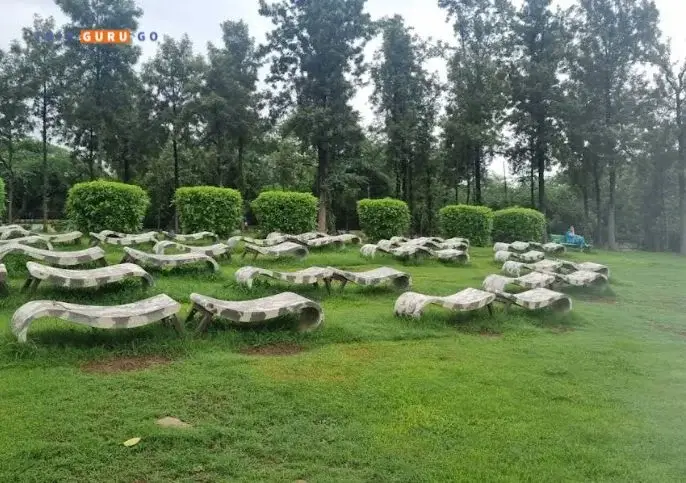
<point x="15" y="113"/>
<point x="534" y="84"/>
<point x="477" y="78"/>
<point x="230" y="100"/>
<point x="174" y="78"/>
<point x="615" y="40"/>
<point x="46" y="64"/>
<point x="316" y="48"/>
<point x="99" y="77"/>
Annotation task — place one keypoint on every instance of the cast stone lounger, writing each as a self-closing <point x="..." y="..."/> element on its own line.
<point x="15" y="232"/>
<point x="244" y="312"/>
<point x="403" y="252"/>
<point x="494" y="283"/>
<point x="461" y="244"/>
<point x="158" y="308"/>
<point x="451" y="255"/>
<point x="95" y="277"/>
<point x="528" y="257"/>
<point x="216" y="250"/>
<point x="59" y="258"/>
<point x="399" y="280"/>
<point x="267" y="242"/>
<point x="29" y="240"/>
<point x="556" y="265"/>
<point x="284" y="249"/>
<point x="128" y="240"/>
<point x="307" y="276"/>
<point x="349" y="238"/>
<point x="71" y="237"/>
<point x="535" y="299"/>
<point x="3" y="277"/>
<point x="163" y="261"/>
<point x="102" y="235"/>
<point x="412" y="304"/>
<point x="191" y="236"/>
<point x="517" y="247"/>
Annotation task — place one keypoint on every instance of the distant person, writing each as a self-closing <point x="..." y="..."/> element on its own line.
<point x="574" y="239"/>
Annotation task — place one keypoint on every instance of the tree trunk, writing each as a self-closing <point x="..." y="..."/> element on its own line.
<point x="540" y="162"/>
<point x="409" y="195"/>
<point x="505" y="181"/>
<point x="44" y="138"/>
<point x="469" y="189"/>
<point x="176" y="179"/>
<point x="322" y="171"/>
<point x="477" y="175"/>
<point x="598" y="202"/>
<point x="681" y="169"/>
<point x="611" y="227"/>
<point x="429" y="202"/>
<point x="91" y="155"/>
<point x="532" y="185"/>
<point x="241" y="175"/>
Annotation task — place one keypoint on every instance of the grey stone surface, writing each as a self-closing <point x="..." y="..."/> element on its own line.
<point x="528" y="257"/>
<point x="14" y="231"/>
<point x="216" y="250"/>
<point x="167" y="261"/>
<point x="310" y="313"/>
<point x="534" y="299"/>
<point x="412" y="304"/>
<point x="52" y="257"/>
<point x="307" y="276"/>
<point x="325" y="241"/>
<point x="136" y="314"/>
<point x="494" y="283"/>
<point x="57" y="238"/>
<point x="129" y="240"/>
<point x="451" y="255"/>
<point x="95" y="277"/>
<point x="183" y="238"/>
<point x="29" y="240"/>
<point x="3" y="276"/>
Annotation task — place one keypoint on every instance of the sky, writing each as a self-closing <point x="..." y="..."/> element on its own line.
<point x="200" y="19"/>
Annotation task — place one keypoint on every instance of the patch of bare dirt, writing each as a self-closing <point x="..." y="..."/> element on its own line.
<point x="124" y="364"/>
<point x="277" y="349"/>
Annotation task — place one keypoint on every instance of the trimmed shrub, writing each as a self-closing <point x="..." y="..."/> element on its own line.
<point x="467" y="221"/>
<point x="285" y="211"/>
<point x="383" y="218"/>
<point x="2" y="198"/>
<point x="107" y="205"/>
<point x="518" y="224"/>
<point x="209" y="208"/>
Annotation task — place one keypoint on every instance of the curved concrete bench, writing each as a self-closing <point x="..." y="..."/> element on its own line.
<point x="325" y="241"/>
<point x="284" y="249"/>
<point x="191" y="236"/>
<point x="455" y="244"/>
<point x="233" y="241"/>
<point x="493" y="283"/>
<point x="398" y="240"/>
<point x="308" y="276"/>
<point x="127" y="316"/>
<point x="164" y="261"/>
<point x="309" y="313"/>
<point x="59" y="258"/>
<point x="216" y="250"/>
<point x="582" y="278"/>
<point x="29" y="240"/>
<point x="412" y="304"/>
<point x="451" y="255"/>
<point x="528" y="257"/>
<point x="3" y="277"/>
<point x="591" y="267"/>
<point x="70" y="237"/>
<point x="15" y="232"/>
<point x="554" y="248"/>
<point x="456" y="239"/>
<point x="535" y="299"/>
<point x="95" y="277"/>
<point x="399" y="280"/>
<point x="554" y="265"/>
<point x="4" y="228"/>
<point x="128" y="240"/>
<point x="426" y="242"/>
<point x="403" y="252"/>
<point x="102" y="235"/>
<point x="349" y="238"/>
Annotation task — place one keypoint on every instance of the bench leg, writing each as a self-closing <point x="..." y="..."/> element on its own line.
<point x="327" y="284"/>
<point x="176" y="322"/>
<point x="204" y="322"/>
<point x="102" y="262"/>
<point x="36" y="282"/>
<point x="27" y="284"/>
<point x="490" y="309"/>
<point x="191" y="314"/>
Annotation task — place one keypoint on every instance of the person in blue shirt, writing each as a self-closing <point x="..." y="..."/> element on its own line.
<point x="574" y="239"/>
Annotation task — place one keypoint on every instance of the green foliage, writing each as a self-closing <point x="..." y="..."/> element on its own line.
<point x="2" y="197"/>
<point x="468" y="221"/>
<point x="383" y="218"/>
<point x="285" y="211"/>
<point x="209" y="208"/>
<point x="107" y="205"/>
<point x="518" y="224"/>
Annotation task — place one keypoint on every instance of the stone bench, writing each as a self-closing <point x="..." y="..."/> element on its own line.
<point x="536" y="299"/>
<point x="216" y="250"/>
<point x="412" y="304"/>
<point x="29" y="240"/>
<point x="527" y="257"/>
<point x="129" y="240"/>
<point x="127" y="316"/>
<point x="59" y="258"/>
<point x="15" y="231"/>
<point x="308" y="276"/>
<point x="243" y="312"/>
<point x="95" y="277"/>
<point x="399" y="280"/>
<point x="281" y="250"/>
<point x="57" y="238"/>
<point x="183" y="238"/>
<point x="531" y="280"/>
<point x="167" y="261"/>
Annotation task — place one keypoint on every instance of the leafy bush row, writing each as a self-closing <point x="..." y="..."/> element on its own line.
<point x="285" y="211"/>
<point x="383" y="218"/>
<point x="468" y="221"/>
<point x="209" y="208"/>
<point x="512" y="224"/>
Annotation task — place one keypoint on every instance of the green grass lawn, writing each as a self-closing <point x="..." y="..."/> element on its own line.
<point x="596" y="395"/>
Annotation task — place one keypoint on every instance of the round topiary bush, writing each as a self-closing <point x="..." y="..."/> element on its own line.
<point x="107" y="205"/>
<point x="383" y="218"/>
<point x="467" y="221"/>
<point x="285" y="211"/>
<point x="209" y="208"/>
<point x="518" y="224"/>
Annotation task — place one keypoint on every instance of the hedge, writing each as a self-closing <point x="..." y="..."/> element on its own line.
<point x="285" y="211"/>
<point x="467" y="221"/>
<point x="518" y="224"/>
<point x="209" y="208"/>
<point x="107" y="205"/>
<point x="383" y="218"/>
<point x="2" y="198"/>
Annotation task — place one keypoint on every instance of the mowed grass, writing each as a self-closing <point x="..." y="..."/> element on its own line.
<point x="599" y="394"/>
